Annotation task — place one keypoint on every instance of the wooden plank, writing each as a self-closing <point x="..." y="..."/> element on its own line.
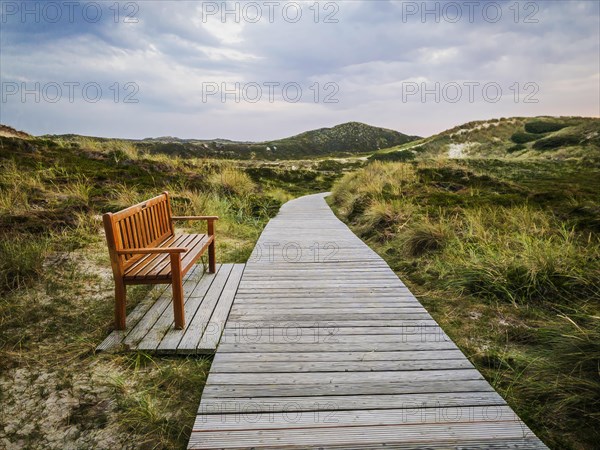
<point x="164" y="322"/>
<point x="240" y="404"/>
<point x="197" y="326"/>
<point x="315" y="323"/>
<point x="302" y="338"/>
<point x="331" y="417"/>
<point x="252" y="333"/>
<point x="337" y="347"/>
<point x="415" y="386"/>
<point x="328" y="317"/>
<point x="194" y="296"/>
<point x="216" y="325"/>
<point x="353" y="356"/>
<point x="344" y="366"/>
<point x="428" y="434"/>
<point x="340" y="377"/>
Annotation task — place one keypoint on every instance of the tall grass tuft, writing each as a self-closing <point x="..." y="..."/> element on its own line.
<point x="21" y="259"/>
<point x="17" y="187"/>
<point x="425" y="237"/>
<point x="79" y="189"/>
<point x="232" y="181"/>
<point x="123" y="196"/>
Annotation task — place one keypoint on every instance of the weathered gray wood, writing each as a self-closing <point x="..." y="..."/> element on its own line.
<point x="367" y="417"/>
<point x="338" y="366"/>
<point x="354" y="356"/>
<point x="415" y="386"/>
<point x="165" y="322"/>
<point x="192" y="305"/>
<point x="325" y="347"/>
<point x="241" y="404"/>
<point x="300" y="337"/>
<point x="330" y="317"/>
<point x="428" y="434"/>
<point x="198" y="325"/>
<point x="312" y="323"/>
<point x="413" y="327"/>
<point x="216" y="325"/>
<point x="341" y="377"/>
<point x="339" y="347"/>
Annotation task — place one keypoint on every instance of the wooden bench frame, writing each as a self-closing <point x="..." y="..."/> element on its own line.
<point x="144" y="249"/>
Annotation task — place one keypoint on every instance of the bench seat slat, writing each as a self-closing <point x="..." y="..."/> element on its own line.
<point x="147" y="262"/>
<point x="137" y="261"/>
<point x="190" y="257"/>
<point x="158" y="266"/>
<point x="164" y="267"/>
<point x="150" y="262"/>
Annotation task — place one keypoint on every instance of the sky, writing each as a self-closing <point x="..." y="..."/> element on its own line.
<point x="262" y="70"/>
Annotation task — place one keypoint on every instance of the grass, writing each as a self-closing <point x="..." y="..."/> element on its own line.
<point x="506" y="257"/>
<point x="56" y="288"/>
<point x="21" y="260"/>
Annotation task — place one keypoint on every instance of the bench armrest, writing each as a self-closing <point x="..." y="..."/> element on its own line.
<point x="151" y="250"/>
<point x="195" y="217"/>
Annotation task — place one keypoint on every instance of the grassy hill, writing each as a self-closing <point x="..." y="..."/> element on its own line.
<point x="554" y="138"/>
<point x="342" y="140"/>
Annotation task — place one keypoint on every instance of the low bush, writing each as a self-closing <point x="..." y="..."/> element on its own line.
<point x="542" y="127"/>
<point x="523" y="138"/>
<point x="516" y="148"/>
<point x="554" y="142"/>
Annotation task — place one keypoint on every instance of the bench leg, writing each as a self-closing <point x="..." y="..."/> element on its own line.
<point x="120" y="300"/>
<point x="177" y="282"/>
<point x="212" y="262"/>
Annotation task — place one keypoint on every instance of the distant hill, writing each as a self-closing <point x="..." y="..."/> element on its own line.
<point x="351" y="137"/>
<point x="559" y="138"/>
<point x="342" y="140"/>
<point x="6" y="131"/>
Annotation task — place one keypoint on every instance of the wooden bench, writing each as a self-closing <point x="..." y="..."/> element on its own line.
<point x="144" y="249"/>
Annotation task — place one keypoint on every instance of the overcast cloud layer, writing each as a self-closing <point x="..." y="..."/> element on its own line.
<point x="157" y="68"/>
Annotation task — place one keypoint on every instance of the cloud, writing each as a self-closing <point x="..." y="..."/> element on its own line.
<point x="362" y="54"/>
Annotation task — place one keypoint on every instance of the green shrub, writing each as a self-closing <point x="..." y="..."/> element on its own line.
<point x="516" y="148"/>
<point x="522" y="138"/>
<point x="554" y="142"/>
<point x="542" y="126"/>
<point x="330" y="165"/>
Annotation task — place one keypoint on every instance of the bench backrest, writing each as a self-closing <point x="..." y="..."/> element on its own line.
<point x="143" y="225"/>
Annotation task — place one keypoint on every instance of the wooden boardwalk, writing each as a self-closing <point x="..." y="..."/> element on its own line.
<point x="208" y="299"/>
<point x="325" y="347"/>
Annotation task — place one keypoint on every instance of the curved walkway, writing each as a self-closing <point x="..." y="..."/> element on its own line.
<point x="325" y="347"/>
